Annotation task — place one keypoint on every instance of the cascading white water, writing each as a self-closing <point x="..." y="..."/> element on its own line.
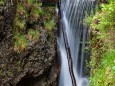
<point x="72" y="14"/>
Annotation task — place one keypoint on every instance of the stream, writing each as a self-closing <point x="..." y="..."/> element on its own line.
<point x="71" y="42"/>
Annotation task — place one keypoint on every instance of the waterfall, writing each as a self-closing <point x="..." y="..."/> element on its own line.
<point x="72" y="35"/>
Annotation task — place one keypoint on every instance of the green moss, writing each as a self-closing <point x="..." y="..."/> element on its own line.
<point x="49" y="25"/>
<point x="33" y="35"/>
<point x="30" y="13"/>
<point x="20" y="42"/>
<point x="19" y="24"/>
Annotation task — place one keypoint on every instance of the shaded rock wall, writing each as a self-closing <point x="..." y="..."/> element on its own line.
<point x="36" y="66"/>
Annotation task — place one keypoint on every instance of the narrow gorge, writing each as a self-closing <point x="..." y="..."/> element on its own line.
<point x="57" y="42"/>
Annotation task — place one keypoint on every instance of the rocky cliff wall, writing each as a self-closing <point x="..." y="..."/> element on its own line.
<point x="36" y="66"/>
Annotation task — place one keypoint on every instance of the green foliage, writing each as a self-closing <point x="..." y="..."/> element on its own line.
<point x="49" y="21"/>
<point x="20" y="42"/>
<point x="104" y="19"/>
<point x="35" y="13"/>
<point x="88" y="19"/>
<point x="36" y="9"/>
<point x="19" y="24"/>
<point x="102" y="39"/>
<point x="104" y="74"/>
<point x="30" y="1"/>
<point x="33" y="35"/>
<point x="49" y="24"/>
<point x="2" y="2"/>
<point x="20" y="7"/>
<point x="30" y="12"/>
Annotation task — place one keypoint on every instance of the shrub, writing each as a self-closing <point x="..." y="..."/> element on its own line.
<point x="105" y="18"/>
<point x="102" y="62"/>
<point x="104" y="74"/>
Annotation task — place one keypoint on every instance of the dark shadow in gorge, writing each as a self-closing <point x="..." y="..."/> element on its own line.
<point x="47" y="78"/>
<point x="30" y="80"/>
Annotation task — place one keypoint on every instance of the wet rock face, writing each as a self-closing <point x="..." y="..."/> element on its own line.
<point x="6" y="17"/>
<point x="36" y="66"/>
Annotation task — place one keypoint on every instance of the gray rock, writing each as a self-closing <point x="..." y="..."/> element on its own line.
<point x="33" y="67"/>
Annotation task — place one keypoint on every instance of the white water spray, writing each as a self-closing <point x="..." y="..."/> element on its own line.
<point x="72" y="15"/>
